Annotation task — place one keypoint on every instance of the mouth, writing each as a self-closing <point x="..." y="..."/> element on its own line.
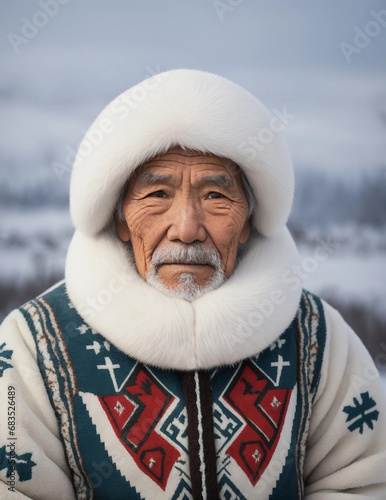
<point x="185" y="264"/>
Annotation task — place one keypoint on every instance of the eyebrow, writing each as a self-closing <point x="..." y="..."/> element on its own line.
<point x="146" y="179"/>
<point x="219" y="180"/>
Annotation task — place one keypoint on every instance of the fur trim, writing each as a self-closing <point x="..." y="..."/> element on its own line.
<point x="193" y="109"/>
<point x="239" y="319"/>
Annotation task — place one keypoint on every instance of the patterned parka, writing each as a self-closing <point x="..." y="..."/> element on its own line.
<point x="111" y="389"/>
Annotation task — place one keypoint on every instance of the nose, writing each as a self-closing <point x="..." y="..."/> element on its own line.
<point x="186" y="223"/>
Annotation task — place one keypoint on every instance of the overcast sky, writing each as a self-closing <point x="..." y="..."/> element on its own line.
<point x="56" y="77"/>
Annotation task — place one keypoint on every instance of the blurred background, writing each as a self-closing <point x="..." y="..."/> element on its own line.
<point x="319" y="66"/>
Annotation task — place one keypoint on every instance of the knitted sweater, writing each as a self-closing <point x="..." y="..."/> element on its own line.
<point x="92" y="422"/>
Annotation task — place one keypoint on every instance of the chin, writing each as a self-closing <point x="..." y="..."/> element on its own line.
<point x="186" y="288"/>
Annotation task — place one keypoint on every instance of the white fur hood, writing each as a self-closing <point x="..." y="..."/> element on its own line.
<point x="239" y="319"/>
<point x="203" y="112"/>
<point x="197" y="110"/>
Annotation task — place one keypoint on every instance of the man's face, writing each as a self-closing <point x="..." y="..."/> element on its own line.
<point x="182" y="210"/>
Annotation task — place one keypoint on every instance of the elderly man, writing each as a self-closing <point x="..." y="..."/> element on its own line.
<point x="180" y="358"/>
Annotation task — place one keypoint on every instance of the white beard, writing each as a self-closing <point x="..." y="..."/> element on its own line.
<point x="187" y="287"/>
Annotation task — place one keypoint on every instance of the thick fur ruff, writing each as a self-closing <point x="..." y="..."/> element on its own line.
<point x="196" y="110"/>
<point x="239" y="319"/>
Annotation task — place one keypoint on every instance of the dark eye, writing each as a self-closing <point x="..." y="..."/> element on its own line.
<point x="214" y="195"/>
<point x="158" y="194"/>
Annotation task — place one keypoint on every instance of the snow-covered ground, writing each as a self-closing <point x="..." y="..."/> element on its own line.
<point x="33" y="243"/>
<point x="347" y="262"/>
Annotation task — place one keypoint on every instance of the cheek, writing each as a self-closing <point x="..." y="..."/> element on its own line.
<point x="226" y="230"/>
<point x="146" y="231"/>
<point x="228" y="249"/>
<point x="225" y="234"/>
<point x="137" y="220"/>
<point x="145" y="216"/>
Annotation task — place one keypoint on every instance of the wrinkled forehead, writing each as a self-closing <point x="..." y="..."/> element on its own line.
<point x="178" y="156"/>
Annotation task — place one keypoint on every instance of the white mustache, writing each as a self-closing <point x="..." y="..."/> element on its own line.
<point x="194" y="253"/>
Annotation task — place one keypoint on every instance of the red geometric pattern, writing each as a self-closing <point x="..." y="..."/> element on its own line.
<point x="263" y="408"/>
<point x="134" y="415"/>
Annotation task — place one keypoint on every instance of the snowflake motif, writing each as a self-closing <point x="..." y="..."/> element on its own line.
<point x="22" y="464"/>
<point x="5" y="358"/>
<point x="359" y="415"/>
